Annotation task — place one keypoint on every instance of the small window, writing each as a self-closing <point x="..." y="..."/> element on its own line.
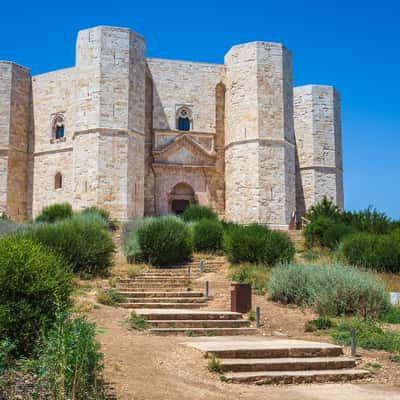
<point x="58" y="181"/>
<point x="57" y="127"/>
<point x="60" y="132"/>
<point x="183" y="119"/>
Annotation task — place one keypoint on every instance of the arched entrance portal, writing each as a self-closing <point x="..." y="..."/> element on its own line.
<point x="181" y="196"/>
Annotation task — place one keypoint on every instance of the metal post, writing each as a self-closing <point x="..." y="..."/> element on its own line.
<point x="353" y="342"/>
<point x="201" y="266"/>
<point x="207" y="288"/>
<point x="189" y="273"/>
<point x="258" y="320"/>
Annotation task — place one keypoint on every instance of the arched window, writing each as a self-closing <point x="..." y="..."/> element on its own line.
<point x="58" y="181"/>
<point x="57" y="129"/>
<point x="183" y="119"/>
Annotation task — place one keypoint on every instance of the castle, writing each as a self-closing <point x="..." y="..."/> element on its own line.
<point x="146" y="136"/>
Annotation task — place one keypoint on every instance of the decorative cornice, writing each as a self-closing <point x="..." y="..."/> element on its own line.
<point x="262" y="141"/>
<point x="109" y="132"/>
<point x="53" y="151"/>
<point x="321" y="167"/>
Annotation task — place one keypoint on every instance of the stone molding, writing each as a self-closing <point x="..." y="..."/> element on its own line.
<point x="109" y="132"/>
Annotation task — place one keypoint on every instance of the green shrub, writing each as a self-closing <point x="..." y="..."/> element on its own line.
<point x="325" y="232"/>
<point x="196" y="212"/>
<point x="369" y="335"/>
<point x="256" y="275"/>
<point x="55" y="212"/>
<point x="165" y="241"/>
<point x="101" y="213"/>
<point x="70" y="361"/>
<point x="257" y="244"/>
<point x="320" y="323"/>
<point x="331" y="290"/>
<point x="379" y="252"/>
<point x="34" y="284"/>
<point x="82" y="241"/>
<point x="110" y="297"/>
<point x="208" y="235"/>
<point x="7" y="355"/>
<point x="326" y="208"/>
<point x="392" y="315"/>
<point x="369" y="220"/>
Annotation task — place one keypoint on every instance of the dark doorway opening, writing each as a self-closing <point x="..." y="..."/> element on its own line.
<point x="179" y="206"/>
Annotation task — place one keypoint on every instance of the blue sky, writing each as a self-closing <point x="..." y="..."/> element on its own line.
<point x="353" y="45"/>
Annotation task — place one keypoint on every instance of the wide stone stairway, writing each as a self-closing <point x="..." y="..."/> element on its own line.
<point x="172" y="301"/>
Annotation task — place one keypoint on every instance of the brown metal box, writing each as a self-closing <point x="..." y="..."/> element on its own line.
<point x="241" y="297"/>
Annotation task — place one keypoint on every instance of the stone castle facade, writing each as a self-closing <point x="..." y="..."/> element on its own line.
<point x="144" y="136"/>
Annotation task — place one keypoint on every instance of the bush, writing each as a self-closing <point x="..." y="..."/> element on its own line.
<point x="326" y="208"/>
<point x="392" y="315"/>
<point x="208" y="235"/>
<point x="331" y="290"/>
<point x="7" y="350"/>
<point x="257" y="244"/>
<point x="369" y="334"/>
<point x="101" y="213"/>
<point x="34" y="284"/>
<point x="325" y="232"/>
<point x="369" y="220"/>
<point x="165" y="241"/>
<point x="110" y="297"/>
<point x="82" y="241"/>
<point x="196" y="212"/>
<point x="70" y="361"/>
<point x="379" y="252"/>
<point x="55" y="212"/>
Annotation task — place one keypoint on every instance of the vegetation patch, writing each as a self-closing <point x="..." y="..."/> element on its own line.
<point x="369" y="335"/>
<point x="208" y="236"/>
<point x="34" y="283"/>
<point x="165" y="241"/>
<point x="320" y="323"/>
<point x="110" y="297"/>
<point x="214" y="365"/>
<point x="331" y="290"/>
<point x="83" y="242"/>
<point x="196" y="212"/>
<point x="55" y="212"/>
<point x="137" y="322"/>
<point x="70" y="363"/>
<point x="257" y="244"/>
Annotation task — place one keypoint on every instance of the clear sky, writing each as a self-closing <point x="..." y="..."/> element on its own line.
<point x="353" y="45"/>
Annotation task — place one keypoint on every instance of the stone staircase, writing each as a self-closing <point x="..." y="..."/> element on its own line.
<point x="275" y="361"/>
<point x="195" y="322"/>
<point x="160" y="289"/>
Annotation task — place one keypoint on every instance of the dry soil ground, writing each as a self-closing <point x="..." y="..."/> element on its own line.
<point x="143" y="367"/>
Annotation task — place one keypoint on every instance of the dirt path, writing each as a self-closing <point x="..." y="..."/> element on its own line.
<point x="144" y="367"/>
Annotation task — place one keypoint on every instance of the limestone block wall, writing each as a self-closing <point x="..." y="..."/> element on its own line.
<point x="260" y="149"/>
<point x="53" y="94"/>
<point x="110" y="92"/>
<point x="319" y="146"/>
<point x="15" y="131"/>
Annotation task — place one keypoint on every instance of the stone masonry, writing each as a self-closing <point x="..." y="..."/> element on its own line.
<point x="145" y="136"/>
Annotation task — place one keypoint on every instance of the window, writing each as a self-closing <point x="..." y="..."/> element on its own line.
<point x="183" y="119"/>
<point x="57" y="127"/>
<point x="58" y="181"/>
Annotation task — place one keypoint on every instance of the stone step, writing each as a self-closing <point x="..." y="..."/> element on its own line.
<point x="168" y="315"/>
<point x="155" y="285"/>
<point x="199" y="323"/>
<point x="204" y="331"/>
<point x="145" y="289"/>
<point x="161" y="305"/>
<point x="295" y="377"/>
<point x="134" y="294"/>
<point x="286" y="364"/>
<point x="192" y="300"/>
<point x="278" y="352"/>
